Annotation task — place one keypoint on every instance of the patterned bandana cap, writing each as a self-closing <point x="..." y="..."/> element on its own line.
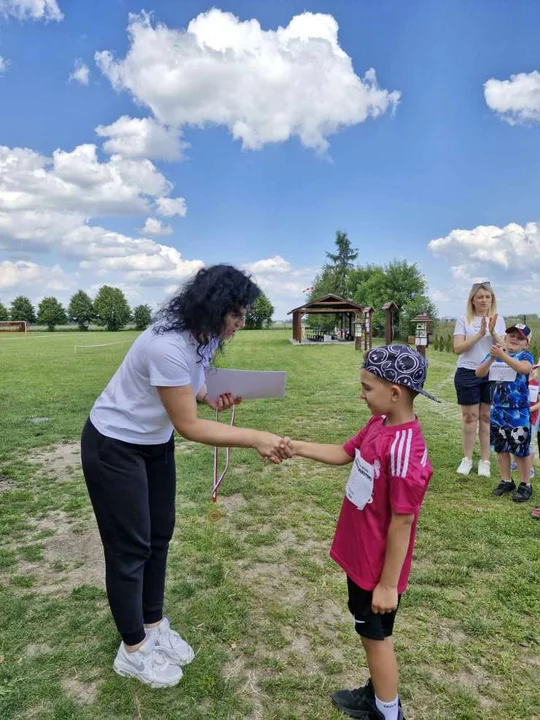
<point x="401" y="365"/>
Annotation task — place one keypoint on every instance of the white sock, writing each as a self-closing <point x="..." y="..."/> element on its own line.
<point x="389" y="710"/>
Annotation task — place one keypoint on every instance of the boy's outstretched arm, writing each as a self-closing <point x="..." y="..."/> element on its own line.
<point x="483" y="369"/>
<point x="329" y="454"/>
<point x="385" y="595"/>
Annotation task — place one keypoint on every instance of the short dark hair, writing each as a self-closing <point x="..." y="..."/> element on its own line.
<point x="203" y="302"/>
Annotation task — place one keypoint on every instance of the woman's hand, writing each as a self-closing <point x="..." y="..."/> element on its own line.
<point x="483" y="328"/>
<point x="492" y="323"/>
<point x="271" y="447"/>
<point x="222" y="402"/>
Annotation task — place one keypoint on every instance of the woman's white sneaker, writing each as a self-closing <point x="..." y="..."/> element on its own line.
<point x="170" y="643"/>
<point x="147" y="664"/>
<point x="484" y="468"/>
<point x="465" y="467"/>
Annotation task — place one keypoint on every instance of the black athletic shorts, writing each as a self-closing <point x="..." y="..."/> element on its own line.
<point x="471" y="390"/>
<point x="367" y="623"/>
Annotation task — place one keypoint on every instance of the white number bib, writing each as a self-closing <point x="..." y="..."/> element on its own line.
<point x="501" y="372"/>
<point x="360" y="483"/>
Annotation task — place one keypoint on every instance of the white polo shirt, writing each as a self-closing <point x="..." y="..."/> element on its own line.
<point x="130" y="408"/>
<point x="475" y="356"/>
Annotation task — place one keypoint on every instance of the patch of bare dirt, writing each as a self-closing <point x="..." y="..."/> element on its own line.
<point x="61" y="461"/>
<point x="33" y="651"/>
<point x="70" y="560"/>
<point x="82" y="693"/>
<point x="6" y="483"/>
<point x="231" y="502"/>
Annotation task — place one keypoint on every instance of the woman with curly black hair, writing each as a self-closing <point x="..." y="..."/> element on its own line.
<point x="127" y="450"/>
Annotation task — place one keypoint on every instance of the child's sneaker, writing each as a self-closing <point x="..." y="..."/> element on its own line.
<point x="356" y="703"/>
<point x="536" y="513"/>
<point x="523" y="493"/>
<point x="513" y="466"/>
<point x="170" y="643"/>
<point x="505" y="486"/>
<point x="148" y="665"/>
<point x="484" y="468"/>
<point x="465" y="467"/>
<point x="531" y="474"/>
<point x="376" y="714"/>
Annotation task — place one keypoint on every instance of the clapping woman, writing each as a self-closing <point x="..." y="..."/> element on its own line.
<point x="474" y="334"/>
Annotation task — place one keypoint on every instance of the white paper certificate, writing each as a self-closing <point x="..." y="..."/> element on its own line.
<point x="360" y="484"/>
<point x="247" y="384"/>
<point x="500" y="372"/>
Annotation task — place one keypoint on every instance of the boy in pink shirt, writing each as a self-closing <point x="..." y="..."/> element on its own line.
<point x="375" y="533"/>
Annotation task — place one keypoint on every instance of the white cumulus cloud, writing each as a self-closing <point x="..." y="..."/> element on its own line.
<point x="141" y="137"/>
<point x="171" y="206"/>
<point x="513" y="248"/>
<point x="23" y="274"/>
<point x="31" y="9"/>
<point x="3" y="65"/>
<point x="515" y="100"/>
<point x="265" y="86"/>
<point x="81" y="73"/>
<point x="153" y="226"/>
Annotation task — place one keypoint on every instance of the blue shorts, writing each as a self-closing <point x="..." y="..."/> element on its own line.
<point x="471" y="390"/>
<point x="510" y="430"/>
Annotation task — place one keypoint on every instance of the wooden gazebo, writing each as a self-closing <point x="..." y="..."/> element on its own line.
<point x="350" y="311"/>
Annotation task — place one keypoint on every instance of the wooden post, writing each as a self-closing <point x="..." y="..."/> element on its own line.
<point x="389" y="308"/>
<point x="297" y="327"/>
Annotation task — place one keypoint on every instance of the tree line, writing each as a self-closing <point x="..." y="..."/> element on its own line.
<point x="372" y="285"/>
<point x="109" y="309"/>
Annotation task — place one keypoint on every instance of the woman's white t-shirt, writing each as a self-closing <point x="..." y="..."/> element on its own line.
<point x="475" y="356"/>
<point x="130" y="408"/>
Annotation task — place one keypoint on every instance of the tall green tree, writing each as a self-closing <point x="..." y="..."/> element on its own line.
<point x="22" y="309"/>
<point x="51" y="313"/>
<point x="399" y="281"/>
<point x="111" y="308"/>
<point x="81" y="310"/>
<point x="260" y="313"/>
<point x="341" y="262"/>
<point x="4" y="315"/>
<point x="142" y="315"/>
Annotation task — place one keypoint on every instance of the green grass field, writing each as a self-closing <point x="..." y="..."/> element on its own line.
<point x="253" y="590"/>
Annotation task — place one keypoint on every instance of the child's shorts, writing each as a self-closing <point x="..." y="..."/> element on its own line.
<point x="510" y="431"/>
<point x="367" y="623"/>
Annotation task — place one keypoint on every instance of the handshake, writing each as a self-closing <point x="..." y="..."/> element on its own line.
<point x="273" y="447"/>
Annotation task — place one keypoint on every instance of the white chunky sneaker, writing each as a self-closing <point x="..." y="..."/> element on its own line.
<point x="484" y="468"/>
<point x="147" y="664"/>
<point x="171" y="644"/>
<point x="465" y="467"/>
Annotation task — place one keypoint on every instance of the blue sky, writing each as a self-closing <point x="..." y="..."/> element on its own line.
<point x="255" y="146"/>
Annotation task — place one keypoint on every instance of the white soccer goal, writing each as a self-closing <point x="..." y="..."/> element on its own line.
<point x="13" y="326"/>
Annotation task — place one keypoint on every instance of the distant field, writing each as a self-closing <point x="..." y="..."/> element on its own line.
<point x="252" y="588"/>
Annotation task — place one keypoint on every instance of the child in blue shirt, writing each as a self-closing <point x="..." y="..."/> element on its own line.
<point x="509" y="368"/>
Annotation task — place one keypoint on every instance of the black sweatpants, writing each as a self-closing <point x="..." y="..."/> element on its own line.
<point x="132" y="489"/>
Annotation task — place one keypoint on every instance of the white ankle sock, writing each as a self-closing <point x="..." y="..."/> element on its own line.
<point x="389" y="710"/>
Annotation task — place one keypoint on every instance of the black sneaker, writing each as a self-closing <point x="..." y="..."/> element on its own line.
<point x="523" y="493"/>
<point x="357" y="703"/>
<point x="376" y="714"/>
<point x="505" y="486"/>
